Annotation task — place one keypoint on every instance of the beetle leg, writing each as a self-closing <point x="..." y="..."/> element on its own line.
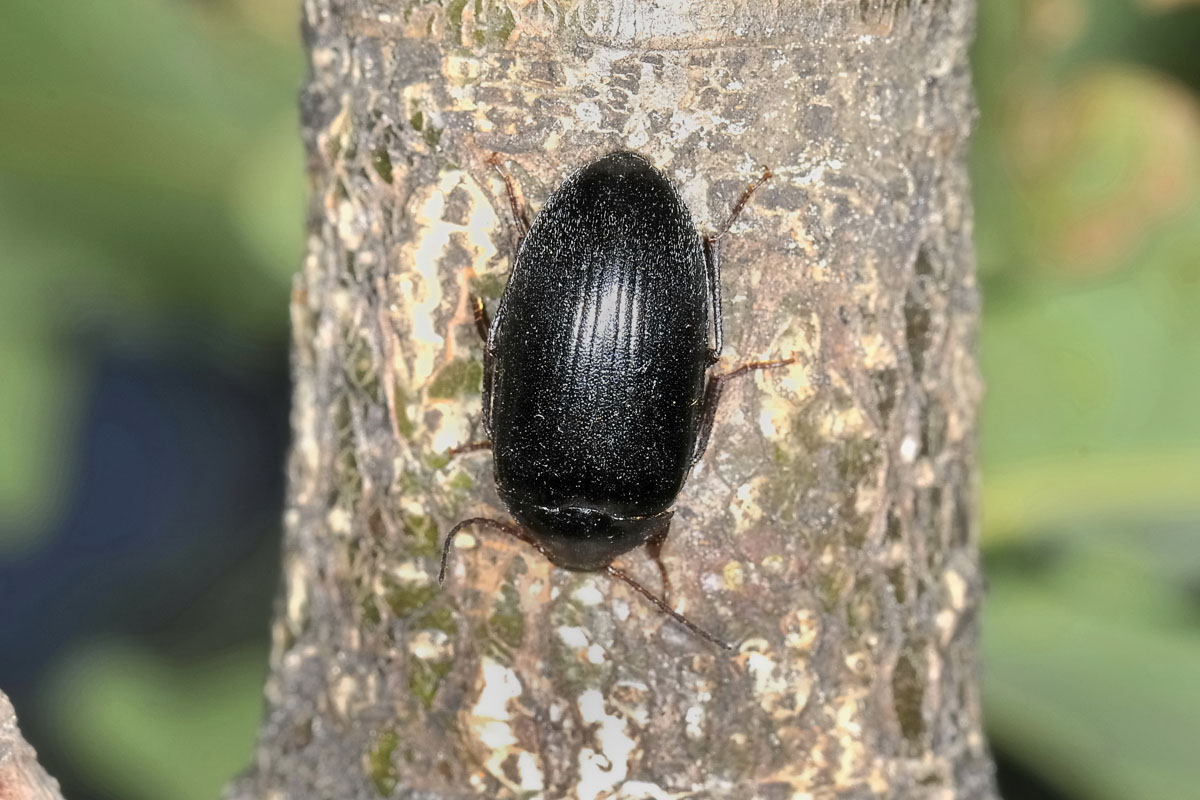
<point x="471" y="447"/>
<point x="712" y="398"/>
<point x="489" y="370"/>
<point x="661" y="605"/>
<point x="741" y="203"/>
<point x="483" y="322"/>
<point x="712" y="263"/>
<point x="518" y="532"/>
<point x="520" y="216"/>
<point x="654" y="546"/>
<point x="512" y="530"/>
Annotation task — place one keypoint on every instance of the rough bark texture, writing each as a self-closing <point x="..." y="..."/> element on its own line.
<point x="830" y="529"/>
<point x="21" y="776"/>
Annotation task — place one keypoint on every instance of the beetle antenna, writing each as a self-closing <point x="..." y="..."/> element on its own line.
<point x="517" y="532"/>
<point x="622" y="576"/>
<point x="487" y="522"/>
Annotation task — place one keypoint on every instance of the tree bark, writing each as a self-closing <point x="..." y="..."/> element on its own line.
<point x="830" y="529"/>
<point x="21" y="776"/>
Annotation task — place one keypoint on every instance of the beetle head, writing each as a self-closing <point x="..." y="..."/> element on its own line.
<point x="583" y="538"/>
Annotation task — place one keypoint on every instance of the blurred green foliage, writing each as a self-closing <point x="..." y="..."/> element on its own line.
<point x="144" y="728"/>
<point x="1087" y="188"/>
<point x="151" y="185"/>
<point x="151" y="192"/>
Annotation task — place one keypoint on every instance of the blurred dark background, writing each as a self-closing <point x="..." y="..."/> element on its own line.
<point x="151" y="200"/>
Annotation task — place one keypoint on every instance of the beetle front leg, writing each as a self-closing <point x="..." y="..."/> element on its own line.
<point x="520" y="215"/>
<point x="654" y="546"/>
<point x="712" y="263"/>
<point x="741" y="203"/>
<point x="712" y="398"/>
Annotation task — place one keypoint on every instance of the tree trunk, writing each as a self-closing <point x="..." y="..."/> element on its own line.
<point x="830" y="529"/>
<point x="21" y="776"/>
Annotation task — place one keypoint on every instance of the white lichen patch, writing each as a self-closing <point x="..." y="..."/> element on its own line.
<point x="848" y="730"/>
<point x="588" y="114"/>
<point x="956" y="589"/>
<point x="350" y="227"/>
<point x="803" y="627"/>
<point x="781" y="388"/>
<point x="296" y="592"/>
<point x="694" y="722"/>
<point x="877" y="351"/>
<point x="868" y="499"/>
<point x="620" y="610"/>
<point x="462" y="70"/>
<point x="746" y="510"/>
<point x="588" y="594"/>
<point x="573" y="637"/>
<point x="858" y="663"/>
<point x="453" y="429"/>
<point x="342" y="690"/>
<point x="338" y="521"/>
<point x="782" y="686"/>
<point x="418" y="288"/>
<point x="411" y="572"/>
<point x="431" y="645"/>
<point x="605" y="767"/>
<point x="490" y="724"/>
<point x="946" y="622"/>
<point x="643" y="790"/>
<point x="845" y="423"/>
<point x="465" y="541"/>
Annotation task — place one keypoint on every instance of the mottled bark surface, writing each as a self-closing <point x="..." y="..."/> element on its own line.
<point x="829" y="531"/>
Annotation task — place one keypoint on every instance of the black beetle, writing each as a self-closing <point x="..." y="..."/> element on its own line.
<point x="597" y="392"/>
